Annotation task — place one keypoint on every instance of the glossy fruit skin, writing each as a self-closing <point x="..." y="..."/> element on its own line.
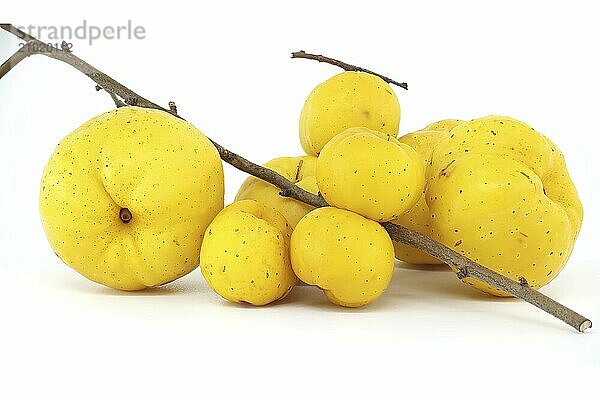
<point x="298" y="170"/>
<point x="348" y="256"/>
<point x="500" y="194"/>
<point x="161" y="168"/>
<point x="245" y="257"/>
<point x="370" y="173"/>
<point x="347" y="100"/>
<point x="418" y="217"/>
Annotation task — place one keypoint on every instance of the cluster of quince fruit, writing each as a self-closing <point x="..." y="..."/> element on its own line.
<point x="134" y="199"/>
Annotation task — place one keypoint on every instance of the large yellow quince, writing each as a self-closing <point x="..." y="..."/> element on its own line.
<point x="125" y="199"/>
<point x="499" y="193"/>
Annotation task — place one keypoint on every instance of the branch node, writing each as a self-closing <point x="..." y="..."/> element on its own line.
<point x="225" y="154"/>
<point x="523" y="281"/>
<point x="462" y="273"/>
<point x="173" y="107"/>
<point x="116" y="100"/>
<point x="286" y="193"/>
<point x="132" y="101"/>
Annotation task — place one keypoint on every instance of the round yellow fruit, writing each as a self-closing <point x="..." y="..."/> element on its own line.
<point x="370" y="173"/>
<point x="348" y="256"/>
<point x="347" y="100"/>
<point x="418" y="218"/>
<point x="298" y="170"/>
<point x="125" y="199"/>
<point x="245" y="256"/>
<point x="501" y="195"/>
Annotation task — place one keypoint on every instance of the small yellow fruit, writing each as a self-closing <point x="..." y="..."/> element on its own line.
<point x="501" y="195"/>
<point x="298" y="170"/>
<point x="370" y="173"/>
<point x="347" y="100"/>
<point x="245" y="255"/>
<point x="125" y="199"/>
<point x="348" y="256"/>
<point x="418" y="218"/>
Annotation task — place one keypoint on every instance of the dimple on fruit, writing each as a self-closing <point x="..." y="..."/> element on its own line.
<point x="349" y="257"/>
<point x="245" y="256"/>
<point x="347" y="100"/>
<point x="125" y="199"/>
<point x="499" y="193"/>
<point x="370" y="173"/>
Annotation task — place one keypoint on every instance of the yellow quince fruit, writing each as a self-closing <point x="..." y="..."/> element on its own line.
<point x="347" y="100"/>
<point x="500" y="193"/>
<point x="245" y="256"/>
<point x="125" y="198"/>
<point x="418" y="217"/>
<point x="370" y="173"/>
<point x="349" y="257"/>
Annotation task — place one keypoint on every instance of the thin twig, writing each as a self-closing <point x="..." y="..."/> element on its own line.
<point x="118" y="102"/>
<point x="16" y="58"/>
<point x="17" y="32"/>
<point x="466" y="267"/>
<point x="346" y="66"/>
<point x="106" y="82"/>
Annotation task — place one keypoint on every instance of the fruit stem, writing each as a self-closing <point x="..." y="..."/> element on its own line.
<point x="465" y="266"/>
<point x="346" y="66"/>
<point x="125" y="215"/>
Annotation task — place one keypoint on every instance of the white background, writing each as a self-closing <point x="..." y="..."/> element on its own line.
<point x="227" y="66"/>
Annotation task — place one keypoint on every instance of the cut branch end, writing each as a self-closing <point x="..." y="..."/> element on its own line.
<point x="585" y="325"/>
